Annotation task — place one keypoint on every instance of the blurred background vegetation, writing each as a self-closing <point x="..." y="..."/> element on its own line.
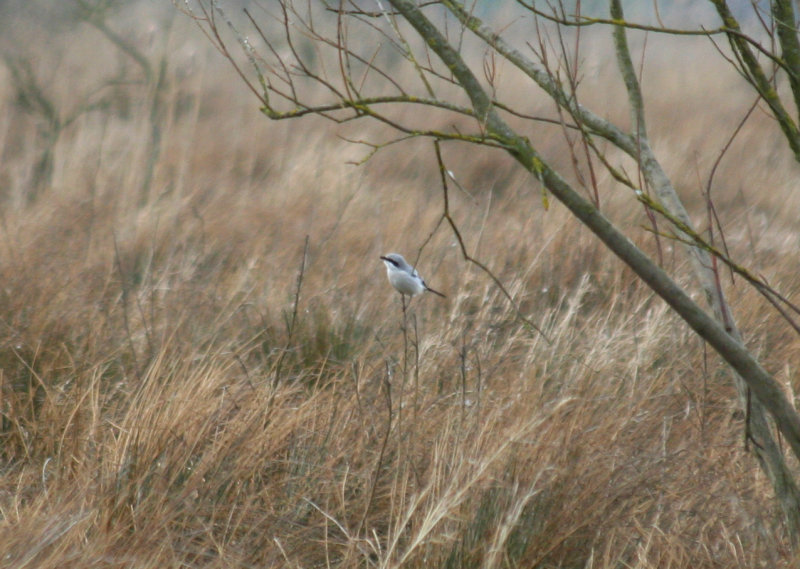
<point x="201" y="364"/>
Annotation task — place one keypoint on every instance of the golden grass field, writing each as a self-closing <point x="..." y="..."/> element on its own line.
<point x="170" y="397"/>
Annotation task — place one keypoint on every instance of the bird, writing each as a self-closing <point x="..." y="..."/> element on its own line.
<point x="403" y="277"/>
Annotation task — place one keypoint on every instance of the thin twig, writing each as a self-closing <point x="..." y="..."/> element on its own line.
<point x="469" y="258"/>
<point x="290" y="325"/>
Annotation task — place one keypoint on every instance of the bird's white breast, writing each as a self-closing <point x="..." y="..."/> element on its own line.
<point x="405" y="283"/>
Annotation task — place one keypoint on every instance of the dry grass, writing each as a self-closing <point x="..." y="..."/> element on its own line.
<point x="163" y="407"/>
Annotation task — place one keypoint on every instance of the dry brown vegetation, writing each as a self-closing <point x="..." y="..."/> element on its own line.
<point x="172" y="398"/>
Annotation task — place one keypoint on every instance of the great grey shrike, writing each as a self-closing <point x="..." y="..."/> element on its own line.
<point x="403" y="277"/>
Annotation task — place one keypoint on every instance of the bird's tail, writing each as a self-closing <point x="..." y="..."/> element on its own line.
<point x="429" y="289"/>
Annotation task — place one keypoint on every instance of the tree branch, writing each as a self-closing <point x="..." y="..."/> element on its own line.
<point x="765" y="388"/>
